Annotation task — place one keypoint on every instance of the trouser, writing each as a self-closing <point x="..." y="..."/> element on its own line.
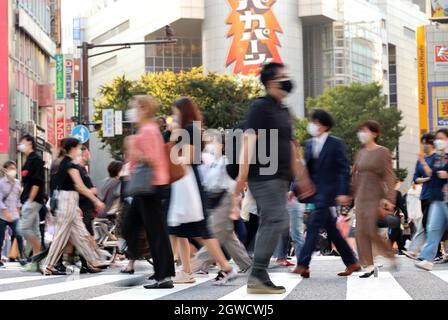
<point x="425" y="209"/>
<point x="324" y="218"/>
<point x="252" y="229"/>
<point x="70" y="227"/>
<point x="146" y="212"/>
<point x="272" y="199"/>
<point x="396" y="236"/>
<point x="240" y="230"/>
<point x="295" y="211"/>
<point x="437" y="224"/>
<point x="418" y="240"/>
<point x="13" y="226"/>
<point x="223" y="230"/>
<point x="29" y="223"/>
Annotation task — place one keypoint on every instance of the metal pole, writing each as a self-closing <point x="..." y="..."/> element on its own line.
<point x="84" y="107"/>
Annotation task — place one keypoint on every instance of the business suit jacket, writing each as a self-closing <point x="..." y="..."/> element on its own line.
<point x="330" y="173"/>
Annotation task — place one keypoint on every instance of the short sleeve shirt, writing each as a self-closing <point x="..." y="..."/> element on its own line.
<point x="266" y="115"/>
<point x="64" y="180"/>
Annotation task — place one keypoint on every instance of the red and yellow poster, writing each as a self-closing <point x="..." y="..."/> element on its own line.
<point x="60" y="123"/>
<point x="4" y="85"/>
<point x="51" y="134"/>
<point x="254" y="29"/>
<point x="442" y="112"/>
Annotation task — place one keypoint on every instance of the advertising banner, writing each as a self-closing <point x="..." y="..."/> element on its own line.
<point x="439" y="10"/>
<point x="68" y="77"/>
<point x="442" y="112"/>
<point x="51" y="133"/>
<point x="441" y="58"/>
<point x="108" y="123"/>
<point x="422" y="79"/>
<point x="60" y="124"/>
<point x="254" y="29"/>
<point x="60" y="77"/>
<point x="4" y="85"/>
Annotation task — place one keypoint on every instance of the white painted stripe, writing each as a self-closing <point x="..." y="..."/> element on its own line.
<point x="442" y="274"/>
<point x="141" y="293"/>
<point x="23" y="279"/>
<point x="66" y="286"/>
<point x="288" y="280"/>
<point x="385" y="287"/>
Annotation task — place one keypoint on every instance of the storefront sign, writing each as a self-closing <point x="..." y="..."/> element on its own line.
<point x="108" y="123"/>
<point x="254" y="29"/>
<point x="51" y="134"/>
<point x="422" y="79"/>
<point x="442" y="112"/>
<point x="4" y="85"/>
<point x="68" y="78"/>
<point x="60" y="77"/>
<point x="60" y="124"/>
<point x="439" y="10"/>
<point x="441" y="58"/>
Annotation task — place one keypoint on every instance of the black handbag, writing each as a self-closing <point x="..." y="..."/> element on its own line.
<point x="140" y="183"/>
<point x="389" y="221"/>
<point x="213" y="199"/>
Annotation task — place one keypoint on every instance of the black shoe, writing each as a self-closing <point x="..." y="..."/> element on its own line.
<point x="374" y="273"/>
<point x="60" y="267"/>
<point x="53" y="272"/>
<point x="153" y="277"/>
<point x="126" y="271"/>
<point x="85" y="270"/>
<point x="167" y="284"/>
<point x="23" y="262"/>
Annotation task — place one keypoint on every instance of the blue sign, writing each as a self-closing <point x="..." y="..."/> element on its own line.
<point x="77" y="29"/>
<point x="81" y="133"/>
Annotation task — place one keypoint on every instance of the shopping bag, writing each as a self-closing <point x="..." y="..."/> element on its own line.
<point x="14" y="252"/>
<point x="185" y="203"/>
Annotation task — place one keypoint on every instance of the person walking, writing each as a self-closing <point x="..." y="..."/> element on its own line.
<point x="70" y="226"/>
<point x="146" y="211"/>
<point x="189" y="138"/>
<point x="10" y="205"/>
<point x="438" y="210"/>
<point x="269" y="181"/>
<point x="374" y="192"/>
<point x="110" y="191"/>
<point x="32" y="197"/>
<point x="422" y="179"/>
<point x="326" y="158"/>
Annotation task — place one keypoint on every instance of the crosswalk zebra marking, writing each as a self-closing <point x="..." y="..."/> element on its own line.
<point x="141" y="293"/>
<point x="385" y="287"/>
<point x="288" y="280"/>
<point x="66" y="286"/>
<point x="442" y="274"/>
<point x="23" y="279"/>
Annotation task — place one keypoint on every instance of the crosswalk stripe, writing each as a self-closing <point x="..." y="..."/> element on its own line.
<point x="288" y="280"/>
<point x="23" y="279"/>
<point x="385" y="287"/>
<point x="442" y="274"/>
<point x="66" y="286"/>
<point x="141" y="293"/>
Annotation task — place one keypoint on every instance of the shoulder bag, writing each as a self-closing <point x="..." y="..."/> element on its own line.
<point x="140" y="183"/>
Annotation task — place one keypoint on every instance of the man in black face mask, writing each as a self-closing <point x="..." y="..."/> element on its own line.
<point x="268" y="141"/>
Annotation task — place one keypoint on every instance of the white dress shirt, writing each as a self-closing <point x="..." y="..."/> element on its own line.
<point x="318" y="144"/>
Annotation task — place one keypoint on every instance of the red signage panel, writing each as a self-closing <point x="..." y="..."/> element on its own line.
<point x="60" y="123"/>
<point x="4" y="85"/>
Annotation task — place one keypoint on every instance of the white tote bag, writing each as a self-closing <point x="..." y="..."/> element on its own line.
<point x="185" y="203"/>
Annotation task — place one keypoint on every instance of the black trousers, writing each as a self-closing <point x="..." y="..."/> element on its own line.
<point x="146" y="212"/>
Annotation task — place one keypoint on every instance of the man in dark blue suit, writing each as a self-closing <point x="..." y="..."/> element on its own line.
<point x="329" y="168"/>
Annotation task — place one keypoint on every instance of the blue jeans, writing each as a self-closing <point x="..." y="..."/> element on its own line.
<point x="437" y="224"/>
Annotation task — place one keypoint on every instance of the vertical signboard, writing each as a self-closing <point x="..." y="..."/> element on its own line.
<point x="60" y="77"/>
<point x="108" y="123"/>
<point x="439" y="10"/>
<point x="4" y="85"/>
<point x="77" y="29"/>
<point x="51" y="134"/>
<point x="68" y="77"/>
<point x="118" y="123"/>
<point x="422" y="79"/>
<point x="254" y="29"/>
<point x="60" y="123"/>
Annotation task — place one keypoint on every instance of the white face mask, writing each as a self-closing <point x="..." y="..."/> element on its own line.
<point x="12" y="173"/>
<point x="22" y="148"/>
<point x="440" y="144"/>
<point x="313" y="129"/>
<point x="363" y="137"/>
<point x="131" y="115"/>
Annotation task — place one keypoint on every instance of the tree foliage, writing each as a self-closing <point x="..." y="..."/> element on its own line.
<point x="222" y="98"/>
<point x="352" y="104"/>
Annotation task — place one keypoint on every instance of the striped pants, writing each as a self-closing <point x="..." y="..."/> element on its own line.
<point x="70" y="227"/>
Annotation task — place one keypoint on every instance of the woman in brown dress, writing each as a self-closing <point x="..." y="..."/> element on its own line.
<point x="374" y="182"/>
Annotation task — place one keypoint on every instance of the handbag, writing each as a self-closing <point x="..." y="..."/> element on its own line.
<point x="176" y="171"/>
<point x="214" y="199"/>
<point x="140" y="183"/>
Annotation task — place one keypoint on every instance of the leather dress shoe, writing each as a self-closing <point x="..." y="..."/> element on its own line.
<point x="303" y="271"/>
<point x="350" y="269"/>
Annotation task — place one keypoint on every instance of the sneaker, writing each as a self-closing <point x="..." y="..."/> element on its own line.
<point x="223" y="277"/>
<point x="164" y="284"/>
<point x="184" y="278"/>
<point x="425" y="265"/>
<point x="245" y="270"/>
<point x="410" y="255"/>
<point x="202" y="273"/>
<point x="267" y="287"/>
<point x="32" y="267"/>
<point x="284" y="263"/>
<point x="442" y="260"/>
<point x="438" y="259"/>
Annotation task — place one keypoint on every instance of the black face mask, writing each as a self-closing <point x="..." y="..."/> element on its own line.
<point x="286" y="85"/>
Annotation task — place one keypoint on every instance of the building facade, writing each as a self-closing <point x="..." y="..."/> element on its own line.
<point x="324" y="44"/>
<point x="29" y="43"/>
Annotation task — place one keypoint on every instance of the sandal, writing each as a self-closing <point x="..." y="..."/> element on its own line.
<point x="53" y="272"/>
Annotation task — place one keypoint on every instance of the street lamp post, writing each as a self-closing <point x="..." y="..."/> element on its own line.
<point x="85" y="47"/>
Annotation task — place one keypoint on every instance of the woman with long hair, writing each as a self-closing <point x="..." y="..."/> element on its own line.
<point x="189" y="136"/>
<point x="374" y="190"/>
<point x="70" y="226"/>
<point x="146" y="211"/>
